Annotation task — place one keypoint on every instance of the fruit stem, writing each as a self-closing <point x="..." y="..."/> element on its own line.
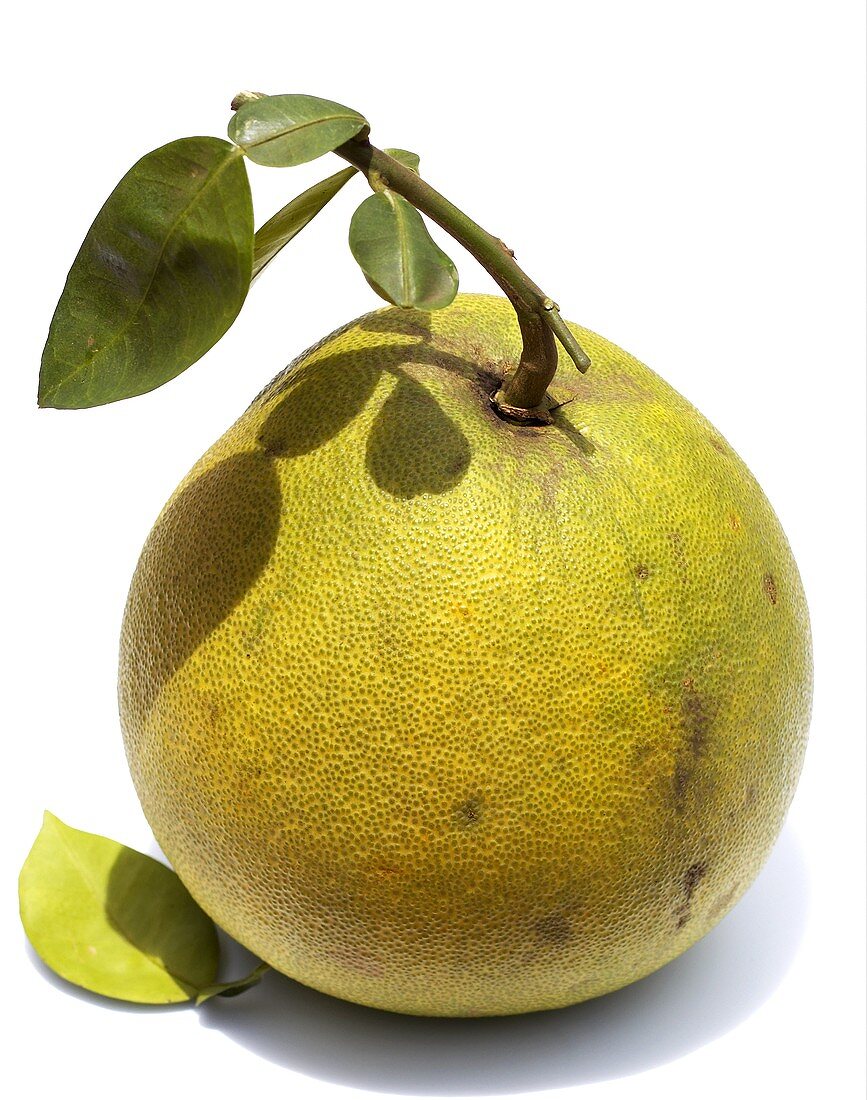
<point x="523" y="393"/>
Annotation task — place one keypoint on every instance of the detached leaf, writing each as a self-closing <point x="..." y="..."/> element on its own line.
<point x="161" y="275"/>
<point x="398" y="256"/>
<point x="407" y="159"/>
<point x="232" y="989"/>
<point x="288" y="222"/>
<point x="112" y="920"/>
<point x="283" y="130"/>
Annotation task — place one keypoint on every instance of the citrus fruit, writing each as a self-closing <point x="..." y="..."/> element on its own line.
<point x="452" y="716"/>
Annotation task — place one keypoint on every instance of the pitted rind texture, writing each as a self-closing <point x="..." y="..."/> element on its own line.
<point x="452" y="717"/>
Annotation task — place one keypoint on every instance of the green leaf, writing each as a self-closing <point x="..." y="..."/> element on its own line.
<point x="398" y="256"/>
<point x="404" y="157"/>
<point x="288" y="222"/>
<point x="283" y="130"/>
<point x="112" y="920"/>
<point x="161" y="275"/>
<point x="232" y="989"/>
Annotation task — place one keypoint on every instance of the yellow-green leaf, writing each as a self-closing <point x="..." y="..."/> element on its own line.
<point x="113" y="920"/>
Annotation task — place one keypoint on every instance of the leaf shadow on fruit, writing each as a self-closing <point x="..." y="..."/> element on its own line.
<point x="417" y="323"/>
<point x="410" y="322"/>
<point x="701" y="995"/>
<point x="206" y="550"/>
<point x="414" y="447"/>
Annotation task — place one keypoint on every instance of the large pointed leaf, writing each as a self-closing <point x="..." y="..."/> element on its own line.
<point x="161" y="275"/>
<point x="398" y="256"/>
<point x="283" y="130"/>
<point x="288" y="222"/>
<point x="113" y="920"/>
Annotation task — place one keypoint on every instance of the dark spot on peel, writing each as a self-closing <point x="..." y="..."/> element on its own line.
<point x="554" y="928"/>
<point x="642" y="572"/>
<point x="770" y="588"/>
<point x="680" y="783"/>
<point x="696" y="720"/>
<point x="691" y="878"/>
<point x="469" y="813"/>
<point x="695" y="727"/>
<point x="213" y="712"/>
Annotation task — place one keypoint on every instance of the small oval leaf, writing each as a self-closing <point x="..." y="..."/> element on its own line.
<point x="288" y="222"/>
<point x="282" y="130"/>
<point x="398" y="256"/>
<point x="405" y="157"/>
<point x="161" y="275"/>
<point x="113" y="920"/>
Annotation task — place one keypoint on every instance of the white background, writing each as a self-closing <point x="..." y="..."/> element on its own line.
<point x="685" y="178"/>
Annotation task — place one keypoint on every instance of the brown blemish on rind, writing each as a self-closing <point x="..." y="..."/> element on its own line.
<point x="554" y="928"/>
<point x="770" y="587"/>
<point x="691" y="878"/>
<point x="468" y="813"/>
<point x="642" y="572"/>
<point x="695" y="724"/>
<point x="680" y="783"/>
<point x="696" y="720"/>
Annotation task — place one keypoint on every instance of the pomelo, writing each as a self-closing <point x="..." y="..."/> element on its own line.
<point x="451" y="716"/>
